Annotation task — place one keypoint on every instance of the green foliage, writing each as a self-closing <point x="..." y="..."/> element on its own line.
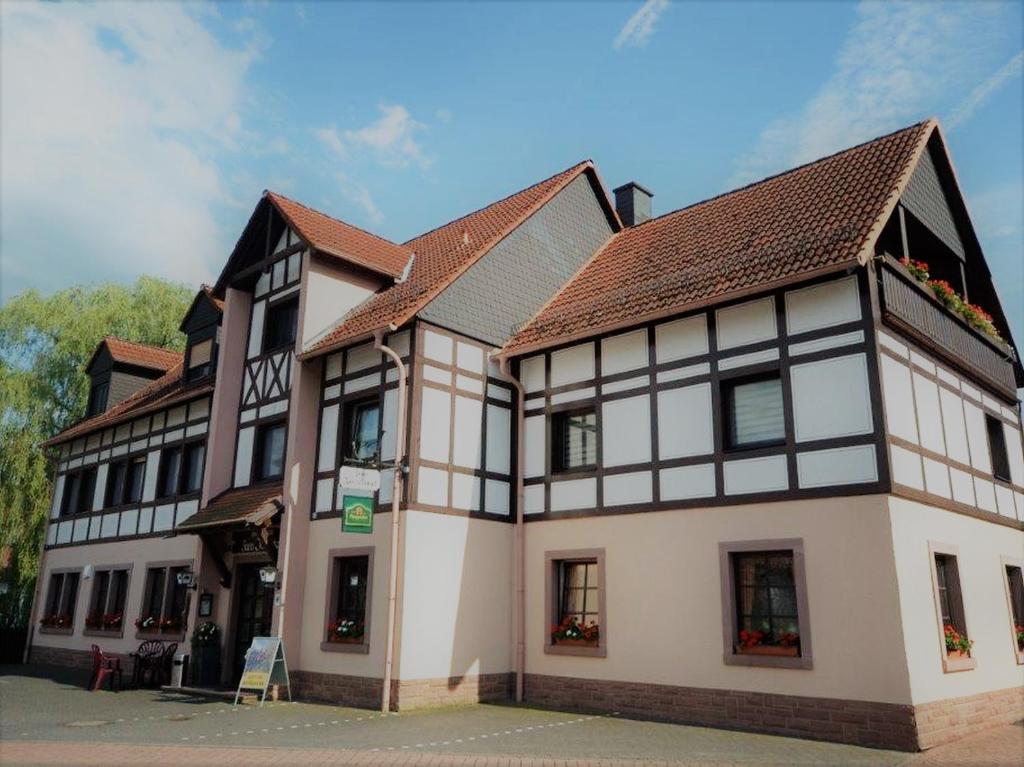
<point x="45" y="343"/>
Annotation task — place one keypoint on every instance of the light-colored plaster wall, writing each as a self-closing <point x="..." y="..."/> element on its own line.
<point x="220" y="449"/>
<point x="664" y="608"/>
<point x="981" y="544"/>
<point x="329" y="292"/>
<point x="138" y="554"/>
<point x="456" y="596"/>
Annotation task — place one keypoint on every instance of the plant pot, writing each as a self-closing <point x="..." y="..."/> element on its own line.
<point x="957" y="654"/>
<point x="345" y="640"/>
<point x="575" y="642"/>
<point x="205" y="665"/>
<point x="778" y="651"/>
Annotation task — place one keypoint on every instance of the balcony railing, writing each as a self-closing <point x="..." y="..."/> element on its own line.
<point x="910" y="306"/>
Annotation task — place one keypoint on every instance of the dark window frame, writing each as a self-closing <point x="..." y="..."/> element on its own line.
<point x="60" y="600"/>
<point x="167" y="594"/>
<point x="180" y="486"/>
<point x="110" y="598"/>
<point x="560" y="423"/>
<point x="727" y="388"/>
<point x="337" y="559"/>
<point x="258" y="444"/>
<point x="1013" y="580"/>
<point x="998" y="455"/>
<point x="727" y="555"/>
<point x="554" y="564"/>
<point x="99" y="395"/>
<point x="349" y="410"/>
<point x="950" y="607"/>
<point x="274" y="338"/>
<point x="197" y="372"/>
<point x="80" y="485"/>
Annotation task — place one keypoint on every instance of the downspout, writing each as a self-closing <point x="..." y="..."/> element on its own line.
<point x="519" y="556"/>
<point x="396" y="502"/>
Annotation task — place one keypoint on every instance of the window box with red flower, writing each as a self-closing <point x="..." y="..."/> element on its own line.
<point x="761" y="643"/>
<point x="573" y="633"/>
<point x="343" y="631"/>
<point x="57" y="623"/>
<point x="975" y="316"/>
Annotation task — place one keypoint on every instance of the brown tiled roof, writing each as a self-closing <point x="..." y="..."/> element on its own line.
<point x="235" y="507"/>
<point x="216" y="301"/>
<point x="165" y="391"/>
<point x="443" y="254"/>
<point x="809" y="219"/>
<point x="131" y="353"/>
<point x="336" y="238"/>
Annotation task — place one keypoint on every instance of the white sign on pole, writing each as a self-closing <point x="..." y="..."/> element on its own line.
<point x="359" y="479"/>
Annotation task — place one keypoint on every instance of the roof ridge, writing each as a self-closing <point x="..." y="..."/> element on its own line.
<point x="311" y="209"/>
<point x="482" y="208"/>
<point x="142" y="345"/>
<point x="788" y="171"/>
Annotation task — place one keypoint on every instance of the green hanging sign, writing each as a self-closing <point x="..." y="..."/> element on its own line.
<point x="357" y="514"/>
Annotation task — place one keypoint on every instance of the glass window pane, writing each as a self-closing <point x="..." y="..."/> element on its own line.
<point x="756" y="413"/>
<point x="194" y="456"/>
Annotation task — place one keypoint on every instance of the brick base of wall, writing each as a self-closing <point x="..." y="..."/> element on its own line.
<point x="943" y="721"/>
<point x="882" y="725"/>
<point x="365" y="692"/>
<point x="61" y="656"/>
<point x="455" y="690"/>
<point x="340" y="689"/>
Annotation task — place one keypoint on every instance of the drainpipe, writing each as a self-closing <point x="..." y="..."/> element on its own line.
<point x="396" y="502"/>
<point x="519" y="555"/>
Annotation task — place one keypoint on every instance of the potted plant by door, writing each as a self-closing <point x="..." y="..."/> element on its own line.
<point x="575" y="633"/>
<point x="206" y="655"/>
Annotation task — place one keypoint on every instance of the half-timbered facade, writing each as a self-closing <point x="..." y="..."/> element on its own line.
<point x="667" y="466"/>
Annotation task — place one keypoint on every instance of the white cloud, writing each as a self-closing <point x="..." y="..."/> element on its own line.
<point x="356" y="193"/>
<point x="963" y="111"/>
<point x="640" y="26"/>
<point x="331" y="139"/>
<point x="392" y="138"/>
<point x="897" y="65"/>
<point x="113" y="117"/>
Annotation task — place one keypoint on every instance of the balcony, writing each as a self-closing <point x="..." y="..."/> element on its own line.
<point x="911" y="308"/>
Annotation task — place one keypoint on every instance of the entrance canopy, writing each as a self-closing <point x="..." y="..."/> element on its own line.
<point x="248" y="505"/>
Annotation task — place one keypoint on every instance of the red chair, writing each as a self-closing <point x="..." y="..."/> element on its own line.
<point x="104" y="666"/>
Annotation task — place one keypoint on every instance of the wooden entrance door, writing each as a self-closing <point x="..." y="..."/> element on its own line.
<point x="255" y="604"/>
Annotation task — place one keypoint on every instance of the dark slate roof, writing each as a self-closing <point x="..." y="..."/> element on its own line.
<point x="442" y="255"/>
<point x="817" y="217"/>
<point x="236" y="506"/>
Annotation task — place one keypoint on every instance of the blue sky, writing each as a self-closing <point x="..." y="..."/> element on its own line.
<point x="137" y="138"/>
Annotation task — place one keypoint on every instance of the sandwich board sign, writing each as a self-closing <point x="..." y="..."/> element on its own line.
<point x="264" y="666"/>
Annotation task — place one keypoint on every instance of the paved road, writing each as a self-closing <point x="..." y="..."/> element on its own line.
<point x="46" y="719"/>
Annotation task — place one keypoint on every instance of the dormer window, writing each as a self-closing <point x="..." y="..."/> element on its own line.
<point x="98" y="398"/>
<point x="200" y="359"/>
<point x="281" y="324"/>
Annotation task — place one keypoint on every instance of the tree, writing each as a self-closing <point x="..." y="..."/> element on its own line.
<point x="45" y="343"/>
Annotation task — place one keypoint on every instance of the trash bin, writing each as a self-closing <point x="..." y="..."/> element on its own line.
<point x="179" y="667"/>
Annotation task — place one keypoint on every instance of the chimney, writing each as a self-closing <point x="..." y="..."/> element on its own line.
<point x="633" y="203"/>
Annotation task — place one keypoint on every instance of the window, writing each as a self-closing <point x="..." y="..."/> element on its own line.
<point x="124" y="481"/>
<point x="348" y="601"/>
<point x="997" y="448"/>
<point x="949" y="607"/>
<point x="165" y="601"/>
<point x="106" y="606"/>
<point x="168" y="474"/>
<point x="576" y="610"/>
<point x="1015" y="595"/>
<point x="200" y="359"/>
<point x="753" y="412"/>
<point x="98" y="394"/>
<point x="362" y="422"/>
<point x="192" y="474"/>
<point x="269" y="453"/>
<point x="61" y="598"/>
<point x="764" y="604"/>
<point x="79" y="487"/>
<point x="282" y="320"/>
<point x="573" y="440"/>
